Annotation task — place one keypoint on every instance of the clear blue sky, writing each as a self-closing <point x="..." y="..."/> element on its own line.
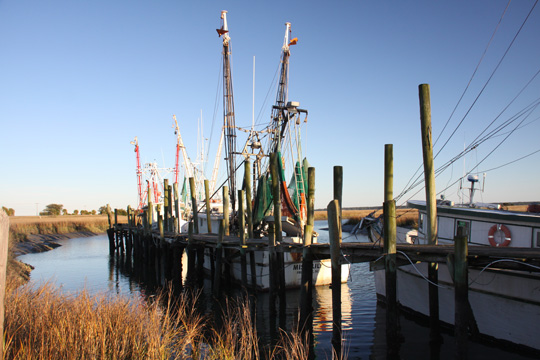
<point x="80" y="79"/>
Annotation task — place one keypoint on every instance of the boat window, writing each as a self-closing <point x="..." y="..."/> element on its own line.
<point x="421" y="222"/>
<point x="463" y="223"/>
<point x="536" y="238"/>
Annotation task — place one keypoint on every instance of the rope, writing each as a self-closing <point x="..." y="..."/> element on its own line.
<point x="503" y="260"/>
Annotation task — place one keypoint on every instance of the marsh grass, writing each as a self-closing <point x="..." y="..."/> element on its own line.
<point x="404" y="217"/>
<point x="45" y="323"/>
<point x="22" y="226"/>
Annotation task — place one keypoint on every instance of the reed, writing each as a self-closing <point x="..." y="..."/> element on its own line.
<point x="45" y="323"/>
<point x="22" y="226"/>
<point x="405" y="217"/>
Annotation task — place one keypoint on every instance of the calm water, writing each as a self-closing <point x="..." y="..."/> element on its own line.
<point x="85" y="263"/>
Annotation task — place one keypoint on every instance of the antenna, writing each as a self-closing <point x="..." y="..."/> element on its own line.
<point x="473" y="179"/>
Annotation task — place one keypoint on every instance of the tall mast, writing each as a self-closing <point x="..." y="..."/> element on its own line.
<point x="139" y="174"/>
<point x="278" y="111"/>
<point x="228" y="112"/>
<point x="180" y="146"/>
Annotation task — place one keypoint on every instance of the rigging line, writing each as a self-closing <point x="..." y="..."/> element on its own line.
<point x="507" y="106"/>
<point x="469" y="172"/>
<point x="270" y="89"/>
<point x="512" y="119"/>
<point x="466" y="88"/>
<point x="216" y="107"/>
<point x="526" y="124"/>
<point x="489" y="79"/>
<point x="511" y="162"/>
<point x="505" y="138"/>
<point x="420" y="273"/>
<point x="529" y="108"/>
<point x="474" y="72"/>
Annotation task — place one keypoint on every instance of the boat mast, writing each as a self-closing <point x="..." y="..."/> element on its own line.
<point x="228" y="113"/>
<point x="180" y="146"/>
<point x="278" y="110"/>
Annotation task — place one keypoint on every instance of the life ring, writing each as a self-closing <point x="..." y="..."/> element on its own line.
<point x="507" y="235"/>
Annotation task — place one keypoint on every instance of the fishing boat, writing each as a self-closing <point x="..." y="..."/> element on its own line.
<point x="505" y="303"/>
<point x="279" y="136"/>
<point x="503" y="246"/>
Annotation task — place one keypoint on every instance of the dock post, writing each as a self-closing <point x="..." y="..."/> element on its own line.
<point x="389" y="213"/>
<point x="160" y="225"/>
<point x="334" y="231"/>
<point x="191" y="257"/>
<point x="277" y="259"/>
<point x="242" y="235"/>
<point x="249" y="209"/>
<point x="150" y="213"/>
<point x="338" y="187"/>
<point x="166" y="204"/>
<point x="306" y="294"/>
<point x="4" y="244"/>
<point x="170" y="221"/>
<point x="176" y="208"/>
<point x="207" y="200"/>
<point x="226" y="204"/>
<point x="431" y="207"/>
<point x="219" y="256"/>
<point x="194" y="205"/>
<point x="461" y="288"/>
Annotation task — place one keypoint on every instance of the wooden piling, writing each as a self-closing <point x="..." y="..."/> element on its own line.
<point x="249" y="208"/>
<point x="194" y="205"/>
<point x="277" y="258"/>
<point x="170" y="221"/>
<point x="4" y="244"/>
<point x="219" y="256"/>
<point x="160" y="225"/>
<point x="431" y="205"/>
<point x="461" y="288"/>
<point x="207" y="200"/>
<point x="334" y="231"/>
<point x="338" y="186"/>
<point x="191" y="256"/>
<point x="150" y="213"/>
<point x="226" y="204"/>
<point x="306" y="290"/>
<point x="176" y="208"/>
<point x="242" y="235"/>
<point x="389" y="213"/>
<point x="109" y="216"/>
<point x="166" y="204"/>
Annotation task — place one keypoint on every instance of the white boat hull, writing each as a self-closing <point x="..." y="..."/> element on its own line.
<point x="322" y="271"/>
<point x="505" y="304"/>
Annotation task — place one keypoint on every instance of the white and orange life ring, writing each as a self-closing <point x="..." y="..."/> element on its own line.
<point x="507" y="235"/>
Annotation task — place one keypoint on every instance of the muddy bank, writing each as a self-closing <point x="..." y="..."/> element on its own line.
<point x="36" y="243"/>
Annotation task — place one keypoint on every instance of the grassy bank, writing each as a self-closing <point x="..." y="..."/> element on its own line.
<point x="405" y="217"/>
<point x="22" y="226"/>
<point x="45" y="323"/>
<point x="27" y="232"/>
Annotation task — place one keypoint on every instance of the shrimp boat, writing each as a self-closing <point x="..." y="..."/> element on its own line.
<point x="504" y="302"/>
<point x="282" y="137"/>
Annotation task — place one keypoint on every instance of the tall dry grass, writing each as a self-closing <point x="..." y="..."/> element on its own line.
<point x="22" y="226"/>
<point x="404" y="217"/>
<point x="45" y="323"/>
